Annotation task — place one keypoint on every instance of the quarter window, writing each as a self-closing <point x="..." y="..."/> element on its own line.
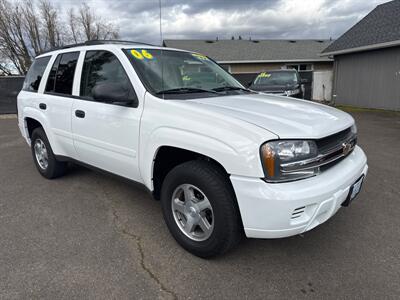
<point x="61" y="76"/>
<point x="103" y="68"/>
<point x="35" y="74"/>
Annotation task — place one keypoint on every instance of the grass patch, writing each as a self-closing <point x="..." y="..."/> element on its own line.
<point x="349" y="108"/>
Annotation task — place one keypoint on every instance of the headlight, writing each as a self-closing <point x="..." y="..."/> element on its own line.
<point x="277" y="153"/>
<point x="354" y="129"/>
<point x="292" y="92"/>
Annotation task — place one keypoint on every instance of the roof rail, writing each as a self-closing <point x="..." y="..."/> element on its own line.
<point x="96" y="42"/>
<point x="101" y="42"/>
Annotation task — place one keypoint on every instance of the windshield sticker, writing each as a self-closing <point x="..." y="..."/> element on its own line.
<point x="200" y="56"/>
<point x="141" y="55"/>
<point x="147" y="54"/>
<point x="264" y="75"/>
<point x="186" y="78"/>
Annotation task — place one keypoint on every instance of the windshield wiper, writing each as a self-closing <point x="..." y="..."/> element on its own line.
<point x="230" y="88"/>
<point x="186" y="90"/>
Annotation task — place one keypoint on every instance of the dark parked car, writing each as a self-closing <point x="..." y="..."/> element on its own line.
<point x="279" y="82"/>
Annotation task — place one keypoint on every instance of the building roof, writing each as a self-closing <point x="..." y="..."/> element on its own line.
<point x="255" y="51"/>
<point x="379" y="29"/>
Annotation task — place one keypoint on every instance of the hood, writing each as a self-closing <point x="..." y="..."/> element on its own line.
<point x="285" y="117"/>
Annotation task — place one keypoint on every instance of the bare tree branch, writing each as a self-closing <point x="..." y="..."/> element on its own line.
<point x="94" y="27"/>
<point x="86" y="19"/>
<point x="73" y="26"/>
<point x="32" y="26"/>
<point x="51" y="23"/>
<point x="28" y="27"/>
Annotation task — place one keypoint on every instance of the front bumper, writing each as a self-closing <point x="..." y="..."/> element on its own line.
<point x="275" y="210"/>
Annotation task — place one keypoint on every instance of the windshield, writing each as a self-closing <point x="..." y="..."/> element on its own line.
<point x="168" y="71"/>
<point x="276" y="78"/>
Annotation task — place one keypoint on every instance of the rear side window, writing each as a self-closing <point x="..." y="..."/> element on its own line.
<point x="102" y="67"/>
<point x="35" y="74"/>
<point x="51" y="80"/>
<point x="61" y="77"/>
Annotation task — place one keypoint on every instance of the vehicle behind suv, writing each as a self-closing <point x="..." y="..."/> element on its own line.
<point x="279" y="82"/>
<point x="223" y="160"/>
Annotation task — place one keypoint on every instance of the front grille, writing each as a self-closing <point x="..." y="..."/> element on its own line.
<point x="332" y="141"/>
<point x="331" y="150"/>
<point x="331" y="164"/>
<point x="333" y="145"/>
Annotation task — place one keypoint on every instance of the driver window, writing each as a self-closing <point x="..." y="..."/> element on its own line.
<point x="101" y="67"/>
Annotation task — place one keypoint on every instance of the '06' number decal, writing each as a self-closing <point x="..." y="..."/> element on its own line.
<point x="141" y="54"/>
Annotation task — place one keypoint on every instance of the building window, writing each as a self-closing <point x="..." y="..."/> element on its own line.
<point x="301" y="67"/>
<point x="226" y="68"/>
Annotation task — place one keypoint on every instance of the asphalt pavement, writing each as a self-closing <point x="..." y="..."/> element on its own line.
<point x="92" y="236"/>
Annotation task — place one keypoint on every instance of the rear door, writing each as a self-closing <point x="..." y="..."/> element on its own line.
<point x="53" y="99"/>
<point x="58" y="91"/>
<point x="106" y="135"/>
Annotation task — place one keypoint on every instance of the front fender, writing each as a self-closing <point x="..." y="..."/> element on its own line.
<point x="244" y="161"/>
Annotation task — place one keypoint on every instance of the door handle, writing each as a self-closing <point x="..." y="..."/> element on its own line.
<point x="43" y="106"/>
<point x="80" y="113"/>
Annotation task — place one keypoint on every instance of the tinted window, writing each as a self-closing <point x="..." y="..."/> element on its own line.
<point x="35" y="74"/>
<point x="102" y="67"/>
<point x="61" y="76"/>
<point x="51" y="80"/>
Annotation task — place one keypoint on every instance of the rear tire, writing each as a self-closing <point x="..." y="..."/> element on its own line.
<point x="212" y="208"/>
<point x="43" y="156"/>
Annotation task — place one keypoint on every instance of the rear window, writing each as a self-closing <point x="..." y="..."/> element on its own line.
<point x="61" y="77"/>
<point x="35" y="74"/>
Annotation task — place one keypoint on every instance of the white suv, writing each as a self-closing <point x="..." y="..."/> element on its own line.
<point x="222" y="159"/>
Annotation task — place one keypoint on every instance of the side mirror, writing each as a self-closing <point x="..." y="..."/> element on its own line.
<point x="303" y="80"/>
<point x="116" y="93"/>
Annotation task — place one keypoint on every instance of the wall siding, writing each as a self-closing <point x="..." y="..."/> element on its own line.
<point x="260" y="67"/>
<point x="254" y="68"/>
<point x="368" y="79"/>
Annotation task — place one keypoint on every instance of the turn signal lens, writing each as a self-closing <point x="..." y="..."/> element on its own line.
<point x="269" y="159"/>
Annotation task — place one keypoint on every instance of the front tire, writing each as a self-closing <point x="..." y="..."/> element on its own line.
<point x="43" y="156"/>
<point x="200" y="209"/>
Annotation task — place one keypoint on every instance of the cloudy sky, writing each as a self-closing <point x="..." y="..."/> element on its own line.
<point x="207" y="19"/>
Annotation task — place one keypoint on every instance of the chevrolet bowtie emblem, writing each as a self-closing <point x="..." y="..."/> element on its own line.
<point x="346" y="148"/>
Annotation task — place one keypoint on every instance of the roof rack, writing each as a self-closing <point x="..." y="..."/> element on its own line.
<point x="96" y="42"/>
<point x="101" y="42"/>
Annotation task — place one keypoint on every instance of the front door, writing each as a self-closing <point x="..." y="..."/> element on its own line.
<point x="106" y="134"/>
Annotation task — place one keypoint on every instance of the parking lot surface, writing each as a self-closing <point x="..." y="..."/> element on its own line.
<point x="90" y="235"/>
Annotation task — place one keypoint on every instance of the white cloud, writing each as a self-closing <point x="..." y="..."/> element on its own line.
<point x="139" y="19"/>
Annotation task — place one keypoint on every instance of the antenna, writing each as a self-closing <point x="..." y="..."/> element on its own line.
<point x="162" y="53"/>
<point x="161" y="36"/>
